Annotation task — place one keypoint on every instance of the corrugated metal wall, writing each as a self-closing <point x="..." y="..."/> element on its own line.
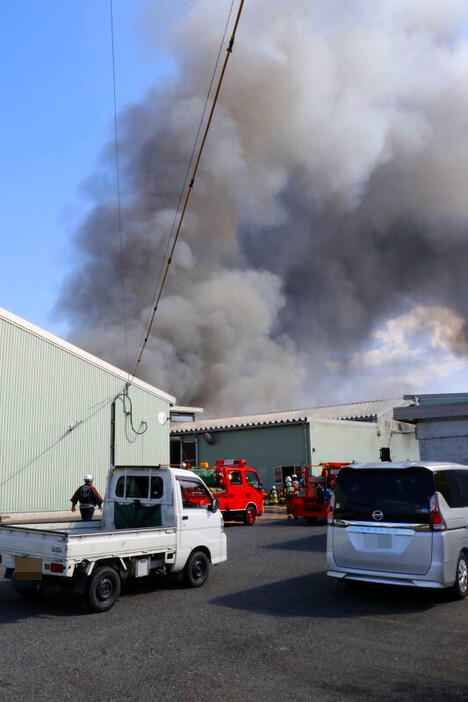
<point x="263" y="448"/>
<point x="444" y="440"/>
<point x="55" y="409"/>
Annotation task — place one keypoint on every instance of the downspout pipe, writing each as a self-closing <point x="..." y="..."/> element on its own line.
<point x="307" y="453"/>
<point x="112" y="434"/>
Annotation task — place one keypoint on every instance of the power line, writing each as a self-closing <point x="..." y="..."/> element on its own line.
<point x="117" y="168"/>
<point x="182" y="190"/>
<point x="187" y="197"/>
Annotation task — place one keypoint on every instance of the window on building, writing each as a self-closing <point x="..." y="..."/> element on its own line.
<point x="281" y="472"/>
<point x="176" y="446"/>
<point x="183" y="450"/>
<point x="189" y="451"/>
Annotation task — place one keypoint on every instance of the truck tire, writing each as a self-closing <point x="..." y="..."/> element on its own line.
<point x="311" y="520"/>
<point x="460" y="587"/>
<point x="30" y="589"/>
<point x="104" y="589"/>
<point x="197" y="569"/>
<point x="250" y="515"/>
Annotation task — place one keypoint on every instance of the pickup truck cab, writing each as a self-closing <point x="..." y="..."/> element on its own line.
<point x="237" y="487"/>
<point x="155" y="519"/>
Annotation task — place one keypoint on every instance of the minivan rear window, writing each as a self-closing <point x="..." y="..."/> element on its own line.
<point x="402" y="496"/>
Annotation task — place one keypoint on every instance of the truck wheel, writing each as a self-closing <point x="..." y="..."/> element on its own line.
<point x="104" y="589"/>
<point x="30" y="589"/>
<point x="197" y="569"/>
<point x="460" y="588"/>
<point x="250" y="515"/>
<point x="311" y="520"/>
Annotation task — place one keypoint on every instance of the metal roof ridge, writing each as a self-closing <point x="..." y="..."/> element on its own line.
<point x="81" y="353"/>
<point x="303" y="410"/>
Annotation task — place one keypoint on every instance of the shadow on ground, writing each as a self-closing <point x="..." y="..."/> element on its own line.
<point x="315" y="543"/>
<point x="316" y="595"/>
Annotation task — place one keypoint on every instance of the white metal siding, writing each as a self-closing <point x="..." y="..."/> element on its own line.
<point x="342" y="441"/>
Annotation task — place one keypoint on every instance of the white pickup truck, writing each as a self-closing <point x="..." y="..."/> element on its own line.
<point x="154" y="519"/>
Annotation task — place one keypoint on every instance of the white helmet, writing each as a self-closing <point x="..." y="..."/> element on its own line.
<point x="288" y="479"/>
<point x="88" y="478"/>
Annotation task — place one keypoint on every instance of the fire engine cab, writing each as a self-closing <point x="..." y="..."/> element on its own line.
<point x="237" y="487"/>
<point x="312" y="498"/>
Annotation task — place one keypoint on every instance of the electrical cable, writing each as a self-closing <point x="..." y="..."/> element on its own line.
<point x="117" y="168"/>
<point x="187" y="197"/>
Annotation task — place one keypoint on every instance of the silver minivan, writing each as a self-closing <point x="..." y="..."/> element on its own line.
<point x="400" y="524"/>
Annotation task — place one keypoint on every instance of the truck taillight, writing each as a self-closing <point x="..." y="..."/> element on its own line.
<point x="435" y="515"/>
<point x="56" y="568"/>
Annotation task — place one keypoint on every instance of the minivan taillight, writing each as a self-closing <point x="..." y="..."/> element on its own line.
<point x="330" y="512"/>
<point x="435" y="515"/>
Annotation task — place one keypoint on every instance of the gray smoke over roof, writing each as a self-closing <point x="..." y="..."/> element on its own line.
<point x="331" y="203"/>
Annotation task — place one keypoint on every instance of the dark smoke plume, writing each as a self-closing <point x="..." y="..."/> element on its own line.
<point x="323" y="256"/>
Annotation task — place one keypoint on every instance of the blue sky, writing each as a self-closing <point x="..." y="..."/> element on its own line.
<point x="57" y="114"/>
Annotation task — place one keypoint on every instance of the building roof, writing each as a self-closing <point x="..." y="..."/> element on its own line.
<point x="444" y="398"/>
<point x="357" y="411"/>
<point x="61" y="343"/>
<point x="420" y="413"/>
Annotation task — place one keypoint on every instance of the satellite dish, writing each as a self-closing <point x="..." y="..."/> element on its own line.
<point x="162" y="417"/>
<point x="208" y="438"/>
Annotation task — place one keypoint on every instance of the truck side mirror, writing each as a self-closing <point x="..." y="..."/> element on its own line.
<point x="214" y="505"/>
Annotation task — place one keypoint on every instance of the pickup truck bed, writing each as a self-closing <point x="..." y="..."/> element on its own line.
<point x="70" y="542"/>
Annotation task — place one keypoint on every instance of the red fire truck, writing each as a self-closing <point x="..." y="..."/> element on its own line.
<point x="237" y="487"/>
<point x="310" y="500"/>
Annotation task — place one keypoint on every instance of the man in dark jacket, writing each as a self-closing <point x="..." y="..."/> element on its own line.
<point x="88" y="497"/>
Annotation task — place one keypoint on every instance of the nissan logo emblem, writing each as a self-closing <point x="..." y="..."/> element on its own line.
<point x="377" y="515"/>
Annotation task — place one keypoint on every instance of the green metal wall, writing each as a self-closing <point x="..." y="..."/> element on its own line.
<point x="55" y="410"/>
<point x="263" y="448"/>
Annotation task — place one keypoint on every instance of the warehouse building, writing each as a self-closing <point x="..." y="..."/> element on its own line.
<point x="277" y="443"/>
<point x="441" y="422"/>
<point x="66" y="413"/>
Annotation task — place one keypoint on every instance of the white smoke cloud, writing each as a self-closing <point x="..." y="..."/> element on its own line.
<point x="415" y="349"/>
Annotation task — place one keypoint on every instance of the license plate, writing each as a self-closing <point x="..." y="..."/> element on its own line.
<point x="377" y="541"/>
<point x="28" y="568"/>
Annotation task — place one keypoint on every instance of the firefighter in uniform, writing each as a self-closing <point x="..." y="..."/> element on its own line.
<point x="273" y="496"/>
<point x="88" y="497"/>
<point x="289" y="493"/>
